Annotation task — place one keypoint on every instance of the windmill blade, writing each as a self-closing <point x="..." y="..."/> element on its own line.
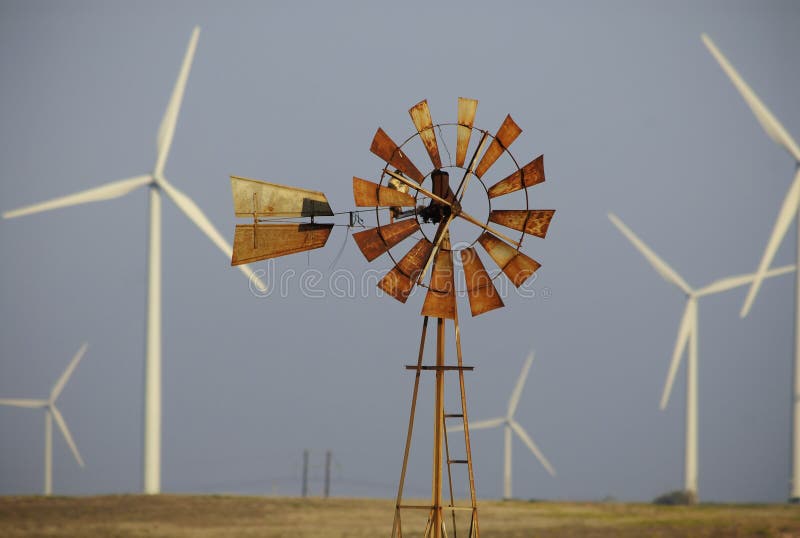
<point x="254" y="198"/>
<point x="482" y="293"/>
<point x="768" y="122"/>
<point x="252" y="243"/>
<point x="466" y="118"/>
<point x="785" y="218"/>
<point x="111" y="190"/>
<point x="517" y="266"/>
<point x="666" y="272"/>
<point x="684" y="331"/>
<point x="533" y="222"/>
<point x="166" y="130"/>
<point x="421" y="116"/>
<point x="532" y="446"/>
<point x="59" y="386"/>
<point x="400" y="281"/>
<point x="440" y="301"/>
<point x="479" y="425"/>
<point x="199" y="219"/>
<point x="506" y="134"/>
<point x="729" y="283"/>
<point x="529" y="175"/>
<point x="23" y="402"/>
<point x="513" y="402"/>
<point x="62" y="425"/>
<point x="369" y="194"/>
<point x="385" y="148"/>
<point x="376" y="241"/>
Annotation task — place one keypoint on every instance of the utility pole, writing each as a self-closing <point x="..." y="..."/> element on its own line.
<point x="305" y="473"/>
<point x="327" y="490"/>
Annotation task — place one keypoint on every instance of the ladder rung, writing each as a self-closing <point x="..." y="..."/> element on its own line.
<point x="457" y="461"/>
<point x="443" y="368"/>
<point x="453" y="415"/>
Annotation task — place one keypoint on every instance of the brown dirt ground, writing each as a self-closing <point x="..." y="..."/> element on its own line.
<point x="271" y="517"/>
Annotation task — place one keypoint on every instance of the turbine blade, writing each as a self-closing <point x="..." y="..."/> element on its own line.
<point x="275" y="240"/>
<point x="385" y="148"/>
<point x="533" y="448"/>
<point x="729" y="283"/>
<point x="421" y="116"/>
<point x="166" y="130"/>
<point x="529" y="175"/>
<point x="482" y="293"/>
<point x="23" y="402"/>
<point x="533" y="222"/>
<point x="485" y="424"/>
<point x="111" y="190"/>
<point x="253" y="198"/>
<point x="466" y="117"/>
<point x="684" y="331"/>
<point x="785" y="218"/>
<point x="440" y="301"/>
<point x="369" y="194"/>
<point x="376" y="241"/>
<point x="62" y="425"/>
<point x="768" y="122"/>
<point x="513" y="402"/>
<point x="401" y="279"/>
<point x="516" y="265"/>
<point x="666" y="272"/>
<point x="59" y="386"/>
<point x="199" y="219"/>
<point x="506" y="134"/>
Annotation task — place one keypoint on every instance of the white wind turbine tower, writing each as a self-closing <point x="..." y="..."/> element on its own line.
<point x="52" y="412"/>
<point x="789" y="209"/>
<point x="157" y="184"/>
<point x="511" y="425"/>
<point x="687" y="335"/>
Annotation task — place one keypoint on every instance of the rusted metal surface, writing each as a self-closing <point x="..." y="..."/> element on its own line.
<point x="421" y="116"/>
<point x="516" y="265"/>
<point x="254" y="198"/>
<point x="399" y="282"/>
<point x="506" y="134"/>
<point x="376" y="241"/>
<point x="253" y="242"/>
<point x="369" y="194"/>
<point x="534" y="222"/>
<point x="483" y="296"/>
<point x="529" y="175"/>
<point x="466" y="117"/>
<point x="385" y="148"/>
<point x="440" y="301"/>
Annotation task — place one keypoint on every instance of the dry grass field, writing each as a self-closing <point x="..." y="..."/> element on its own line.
<point x="204" y="516"/>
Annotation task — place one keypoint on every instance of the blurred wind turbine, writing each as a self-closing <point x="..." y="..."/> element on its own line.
<point x="511" y="425"/>
<point x="52" y="412"/>
<point x="687" y="335"/>
<point x="157" y="184"/>
<point x="789" y="209"/>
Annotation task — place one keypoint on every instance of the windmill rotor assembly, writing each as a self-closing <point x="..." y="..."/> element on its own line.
<point x="433" y="208"/>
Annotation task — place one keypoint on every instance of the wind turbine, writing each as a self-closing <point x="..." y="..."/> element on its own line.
<point x="511" y="425"/>
<point x="52" y="412"/>
<point x="789" y="209"/>
<point x="687" y="336"/>
<point x="157" y="183"/>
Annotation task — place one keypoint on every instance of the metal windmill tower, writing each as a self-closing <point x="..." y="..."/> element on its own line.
<point x="409" y="203"/>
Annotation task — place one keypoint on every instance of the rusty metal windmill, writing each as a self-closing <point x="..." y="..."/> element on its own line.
<point x="408" y="203"/>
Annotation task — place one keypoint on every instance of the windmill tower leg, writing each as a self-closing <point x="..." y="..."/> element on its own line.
<point x="438" y="432"/>
<point x="507" y="462"/>
<point x="690" y="484"/>
<point x="48" y="452"/>
<point x="794" y="492"/>
<point x="152" y="403"/>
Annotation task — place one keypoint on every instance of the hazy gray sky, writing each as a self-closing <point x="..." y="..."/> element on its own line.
<point x="632" y="114"/>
